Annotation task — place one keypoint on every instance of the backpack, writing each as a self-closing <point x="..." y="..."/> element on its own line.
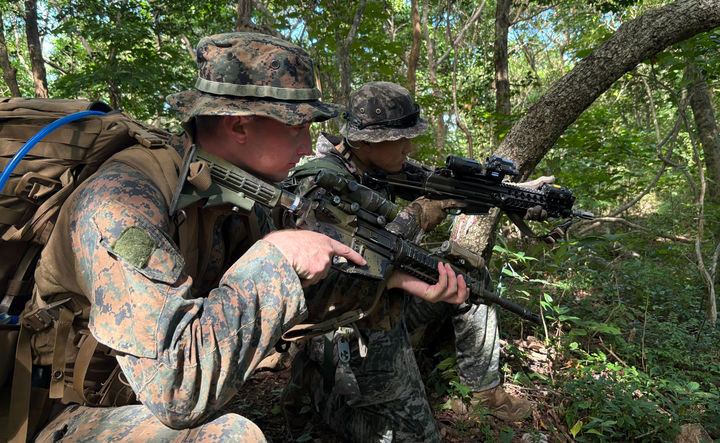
<point x="37" y="187"/>
<point x="30" y="202"/>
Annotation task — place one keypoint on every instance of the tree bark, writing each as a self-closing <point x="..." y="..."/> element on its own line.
<point x="244" y="12"/>
<point x="35" y="47"/>
<point x="502" y="77"/>
<point x="706" y="125"/>
<point x="637" y="40"/>
<point x="437" y="92"/>
<point x="9" y="73"/>
<point x="344" y="53"/>
<point x="244" y="21"/>
<point x="415" y="47"/>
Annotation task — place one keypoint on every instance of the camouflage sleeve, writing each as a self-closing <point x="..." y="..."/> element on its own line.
<point x="340" y="292"/>
<point x="185" y="357"/>
<point x="406" y="225"/>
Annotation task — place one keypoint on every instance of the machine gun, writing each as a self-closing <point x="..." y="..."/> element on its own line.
<point x="481" y="188"/>
<point x="350" y="213"/>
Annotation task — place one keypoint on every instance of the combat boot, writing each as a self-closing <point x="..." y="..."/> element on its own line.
<point x="498" y="403"/>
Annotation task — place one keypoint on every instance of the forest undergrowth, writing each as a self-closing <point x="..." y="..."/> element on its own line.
<point x="625" y="352"/>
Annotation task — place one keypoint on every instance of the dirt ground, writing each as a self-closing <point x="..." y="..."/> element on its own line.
<point x="259" y="400"/>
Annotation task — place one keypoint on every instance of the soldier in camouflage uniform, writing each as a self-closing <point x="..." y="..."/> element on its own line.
<point x="377" y="394"/>
<point x="189" y="316"/>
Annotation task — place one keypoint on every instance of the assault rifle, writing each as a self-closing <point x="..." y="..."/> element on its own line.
<point x="352" y="214"/>
<point x="483" y="188"/>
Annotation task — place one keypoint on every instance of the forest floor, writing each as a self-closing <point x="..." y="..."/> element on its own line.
<point x="259" y="400"/>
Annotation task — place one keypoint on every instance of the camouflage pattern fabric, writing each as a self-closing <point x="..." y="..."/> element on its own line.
<point x="382" y="111"/>
<point x="186" y="343"/>
<point x="477" y="338"/>
<point x="137" y="424"/>
<point x="244" y="73"/>
<point x="392" y="404"/>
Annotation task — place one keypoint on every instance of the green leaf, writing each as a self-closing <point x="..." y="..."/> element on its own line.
<point x="576" y="428"/>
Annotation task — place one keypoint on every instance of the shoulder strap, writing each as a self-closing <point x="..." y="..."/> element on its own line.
<point x="316" y="165"/>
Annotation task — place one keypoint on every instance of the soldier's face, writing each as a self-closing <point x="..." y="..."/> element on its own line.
<point x="388" y="155"/>
<point x="273" y="148"/>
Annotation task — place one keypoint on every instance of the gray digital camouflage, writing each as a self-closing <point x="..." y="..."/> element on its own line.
<point x="381" y="397"/>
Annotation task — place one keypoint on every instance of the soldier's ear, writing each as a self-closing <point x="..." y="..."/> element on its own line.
<point x="235" y="127"/>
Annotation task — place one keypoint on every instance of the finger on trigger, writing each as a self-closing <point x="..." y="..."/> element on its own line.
<point x="347" y="252"/>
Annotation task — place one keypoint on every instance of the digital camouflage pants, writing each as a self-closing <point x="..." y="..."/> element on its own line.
<point x="135" y="423"/>
<point x="381" y="397"/>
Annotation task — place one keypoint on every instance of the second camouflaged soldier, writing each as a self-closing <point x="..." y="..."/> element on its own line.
<point x="378" y="395"/>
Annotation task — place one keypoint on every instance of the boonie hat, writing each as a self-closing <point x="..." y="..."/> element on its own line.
<point x="244" y="73"/>
<point x="382" y="111"/>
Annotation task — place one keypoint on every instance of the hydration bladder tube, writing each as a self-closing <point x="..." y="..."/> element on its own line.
<point x="36" y="138"/>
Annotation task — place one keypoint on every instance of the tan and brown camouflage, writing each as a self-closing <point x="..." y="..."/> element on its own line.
<point x="243" y="73"/>
<point x="187" y="313"/>
<point x="382" y="111"/>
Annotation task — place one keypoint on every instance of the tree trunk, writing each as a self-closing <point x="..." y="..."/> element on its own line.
<point x="9" y="73"/>
<point x="637" y="40"/>
<point x="344" y="53"/>
<point x="437" y="92"/>
<point x="415" y="47"/>
<point x="244" y="12"/>
<point x="502" y="78"/>
<point x="244" y="21"/>
<point x="35" y="48"/>
<point x="706" y="124"/>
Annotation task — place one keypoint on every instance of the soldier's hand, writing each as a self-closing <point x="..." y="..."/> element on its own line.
<point x="430" y="213"/>
<point x="538" y="182"/>
<point x="311" y="253"/>
<point x="537" y="213"/>
<point x="450" y="288"/>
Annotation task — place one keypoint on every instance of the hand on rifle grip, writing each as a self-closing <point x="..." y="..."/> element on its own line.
<point x="450" y="288"/>
<point x="311" y="253"/>
<point x="538" y="182"/>
<point x="537" y="213"/>
<point x="430" y="213"/>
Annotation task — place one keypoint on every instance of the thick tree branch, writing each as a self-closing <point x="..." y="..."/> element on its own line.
<point x="637" y="40"/>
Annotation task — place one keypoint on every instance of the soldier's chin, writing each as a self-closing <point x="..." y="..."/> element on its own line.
<point x="275" y="177"/>
<point x="398" y="168"/>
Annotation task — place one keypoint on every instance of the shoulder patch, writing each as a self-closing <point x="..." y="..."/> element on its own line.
<point x="134" y="245"/>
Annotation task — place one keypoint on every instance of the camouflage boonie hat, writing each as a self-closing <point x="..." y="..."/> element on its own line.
<point x="242" y="73"/>
<point x="382" y="111"/>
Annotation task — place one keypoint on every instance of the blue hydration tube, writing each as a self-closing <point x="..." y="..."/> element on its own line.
<point x="36" y="138"/>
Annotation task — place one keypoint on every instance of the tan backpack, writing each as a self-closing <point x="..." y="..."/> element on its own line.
<point x="30" y="202"/>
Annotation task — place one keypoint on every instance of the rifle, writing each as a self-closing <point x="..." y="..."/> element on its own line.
<point x="350" y="213"/>
<point x="481" y="188"/>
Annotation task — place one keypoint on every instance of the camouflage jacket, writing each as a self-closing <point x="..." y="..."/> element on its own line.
<point x="340" y="292"/>
<point x="184" y="341"/>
